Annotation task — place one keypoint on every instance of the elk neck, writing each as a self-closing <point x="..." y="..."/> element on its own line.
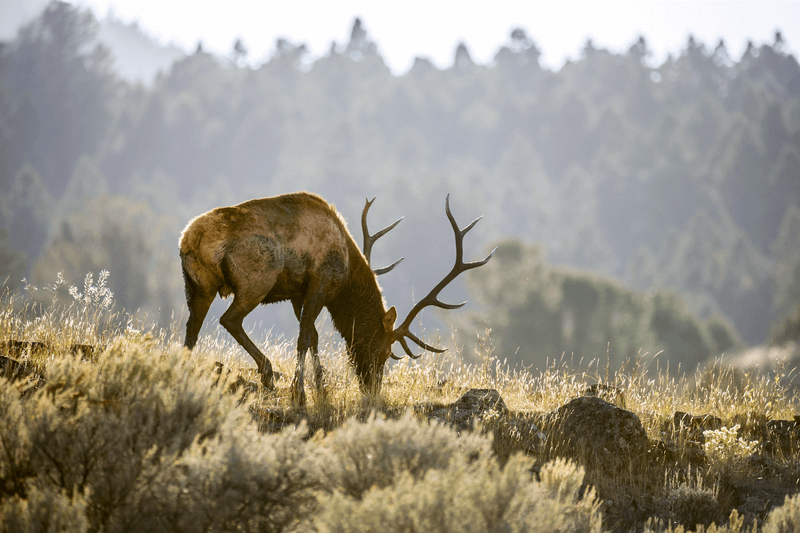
<point x="357" y="310"/>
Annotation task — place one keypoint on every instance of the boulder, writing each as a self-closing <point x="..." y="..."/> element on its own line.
<point x="475" y="404"/>
<point x="597" y="434"/>
<point x="15" y="348"/>
<point x="512" y="431"/>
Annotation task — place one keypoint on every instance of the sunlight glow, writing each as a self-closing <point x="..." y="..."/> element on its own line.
<point x="434" y="29"/>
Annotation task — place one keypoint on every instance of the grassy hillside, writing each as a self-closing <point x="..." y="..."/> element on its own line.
<point x="141" y="435"/>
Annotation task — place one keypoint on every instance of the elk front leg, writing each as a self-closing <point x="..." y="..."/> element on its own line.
<point x="307" y="340"/>
<point x="231" y="320"/>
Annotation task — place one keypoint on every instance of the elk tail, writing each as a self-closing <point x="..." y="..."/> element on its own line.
<point x="190" y="282"/>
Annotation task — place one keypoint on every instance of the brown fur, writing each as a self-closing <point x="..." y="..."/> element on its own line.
<point x="291" y="247"/>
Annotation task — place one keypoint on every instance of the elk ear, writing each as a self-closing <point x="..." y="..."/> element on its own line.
<point x="389" y="318"/>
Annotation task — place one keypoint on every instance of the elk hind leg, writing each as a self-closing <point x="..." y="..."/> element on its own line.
<point x="232" y="320"/>
<point x="198" y="304"/>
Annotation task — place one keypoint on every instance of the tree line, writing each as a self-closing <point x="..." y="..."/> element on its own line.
<point x="680" y="178"/>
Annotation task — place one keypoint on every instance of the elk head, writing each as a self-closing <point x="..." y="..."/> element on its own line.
<point x="381" y="348"/>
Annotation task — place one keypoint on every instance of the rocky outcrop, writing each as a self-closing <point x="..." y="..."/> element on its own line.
<point x="14" y="363"/>
<point x="21" y="374"/>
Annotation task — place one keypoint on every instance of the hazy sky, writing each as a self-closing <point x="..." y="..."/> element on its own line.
<point x="404" y="30"/>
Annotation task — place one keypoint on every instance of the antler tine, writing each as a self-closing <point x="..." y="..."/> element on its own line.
<point x="460" y="240"/>
<point x="432" y="298"/>
<point x="421" y="344"/>
<point x="403" y="343"/>
<point x="384" y="270"/>
<point x="369" y="240"/>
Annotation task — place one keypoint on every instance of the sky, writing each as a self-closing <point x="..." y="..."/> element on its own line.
<point x="433" y="29"/>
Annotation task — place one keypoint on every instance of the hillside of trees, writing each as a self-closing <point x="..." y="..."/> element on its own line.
<point x="681" y="178"/>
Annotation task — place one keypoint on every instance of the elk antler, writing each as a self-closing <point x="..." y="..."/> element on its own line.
<point x="369" y="240"/>
<point x="401" y="332"/>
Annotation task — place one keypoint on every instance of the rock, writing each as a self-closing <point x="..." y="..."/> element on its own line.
<point x="668" y="452"/>
<point x="691" y="427"/>
<point x="480" y="401"/>
<point x="755" y="507"/>
<point x="16" y="348"/>
<point x="763" y="465"/>
<point x="597" y="433"/>
<point x="782" y="436"/>
<point x="86" y="351"/>
<point x="22" y="374"/>
<point x="516" y="432"/>
<point x="480" y="404"/>
<point x="12" y="368"/>
<point x="607" y="392"/>
<point x="752" y="425"/>
<point x="512" y="431"/>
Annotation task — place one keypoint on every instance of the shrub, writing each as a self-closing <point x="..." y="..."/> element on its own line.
<point x="728" y="453"/>
<point x="150" y="443"/>
<point x="690" y="505"/>
<point x="786" y="518"/>
<point x="358" y="456"/>
<point x="469" y="496"/>
<point x="735" y="524"/>
<point x="236" y="481"/>
<point x="45" y="510"/>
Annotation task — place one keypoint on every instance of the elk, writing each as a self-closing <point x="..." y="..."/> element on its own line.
<point x="297" y="247"/>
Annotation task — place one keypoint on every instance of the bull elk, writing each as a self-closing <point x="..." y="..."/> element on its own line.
<point x="297" y="247"/>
